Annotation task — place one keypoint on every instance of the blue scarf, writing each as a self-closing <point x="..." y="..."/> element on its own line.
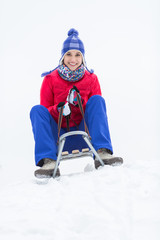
<point x="71" y="76"/>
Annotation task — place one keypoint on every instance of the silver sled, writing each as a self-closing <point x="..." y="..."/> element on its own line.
<point x="90" y="152"/>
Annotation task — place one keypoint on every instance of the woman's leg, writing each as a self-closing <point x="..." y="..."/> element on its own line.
<point x="45" y="134"/>
<point x="97" y="122"/>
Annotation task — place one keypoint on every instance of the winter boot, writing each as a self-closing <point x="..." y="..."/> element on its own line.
<point x="107" y="158"/>
<point x="46" y="171"/>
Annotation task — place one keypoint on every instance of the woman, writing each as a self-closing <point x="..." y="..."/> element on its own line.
<point x="60" y="85"/>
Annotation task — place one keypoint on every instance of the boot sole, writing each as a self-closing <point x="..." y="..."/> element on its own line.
<point x="113" y="161"/>
<point x="42" y="173"/>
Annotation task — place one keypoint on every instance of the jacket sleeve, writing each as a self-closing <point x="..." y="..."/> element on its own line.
<point x="95" y="87"/>
<point x="47" y="96"/>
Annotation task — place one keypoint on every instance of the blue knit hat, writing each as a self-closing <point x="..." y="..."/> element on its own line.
<point x="71" y="43"/>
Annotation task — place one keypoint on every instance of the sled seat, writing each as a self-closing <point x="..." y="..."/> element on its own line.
<point x="76" y="153"/>
<point x="90" y="151"/>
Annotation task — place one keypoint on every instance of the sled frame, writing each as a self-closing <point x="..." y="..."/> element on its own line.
<point x="62" y="140"/>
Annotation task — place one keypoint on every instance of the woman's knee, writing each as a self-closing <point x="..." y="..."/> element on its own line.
<point x="96" y="99"/>
<point x="38" y="109"/>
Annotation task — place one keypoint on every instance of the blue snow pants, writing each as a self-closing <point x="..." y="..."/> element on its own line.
<point x="45" y="130"/>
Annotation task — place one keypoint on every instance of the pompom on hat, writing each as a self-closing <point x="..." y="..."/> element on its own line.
<point x="72" y="42"/>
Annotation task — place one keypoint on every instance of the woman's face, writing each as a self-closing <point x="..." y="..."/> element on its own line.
<point x="73" y="59"/>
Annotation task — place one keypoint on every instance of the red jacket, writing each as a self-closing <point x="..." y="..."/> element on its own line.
<point x="54" y="90"/>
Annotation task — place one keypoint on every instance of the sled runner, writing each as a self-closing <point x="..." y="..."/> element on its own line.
<point x="75" y="153"/>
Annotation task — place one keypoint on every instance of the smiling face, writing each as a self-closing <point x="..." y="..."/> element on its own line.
<point x="73" y="59"/>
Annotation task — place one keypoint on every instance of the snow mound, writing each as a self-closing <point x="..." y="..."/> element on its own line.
<point x="115" y="203"/>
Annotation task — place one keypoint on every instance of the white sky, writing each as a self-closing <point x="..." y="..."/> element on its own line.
<point x="121" y="39"/>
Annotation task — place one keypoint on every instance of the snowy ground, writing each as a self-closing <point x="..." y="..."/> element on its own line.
<point x="114" y="203"/>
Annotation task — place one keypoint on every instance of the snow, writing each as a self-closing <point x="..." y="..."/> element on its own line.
<point x="121" y="39"/>
<point x="115" y="203"/>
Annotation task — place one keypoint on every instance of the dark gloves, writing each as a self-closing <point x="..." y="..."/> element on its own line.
<point x="71" y="99"/>
<point x="66" y="108"/>
<point x="72" y="96"/>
